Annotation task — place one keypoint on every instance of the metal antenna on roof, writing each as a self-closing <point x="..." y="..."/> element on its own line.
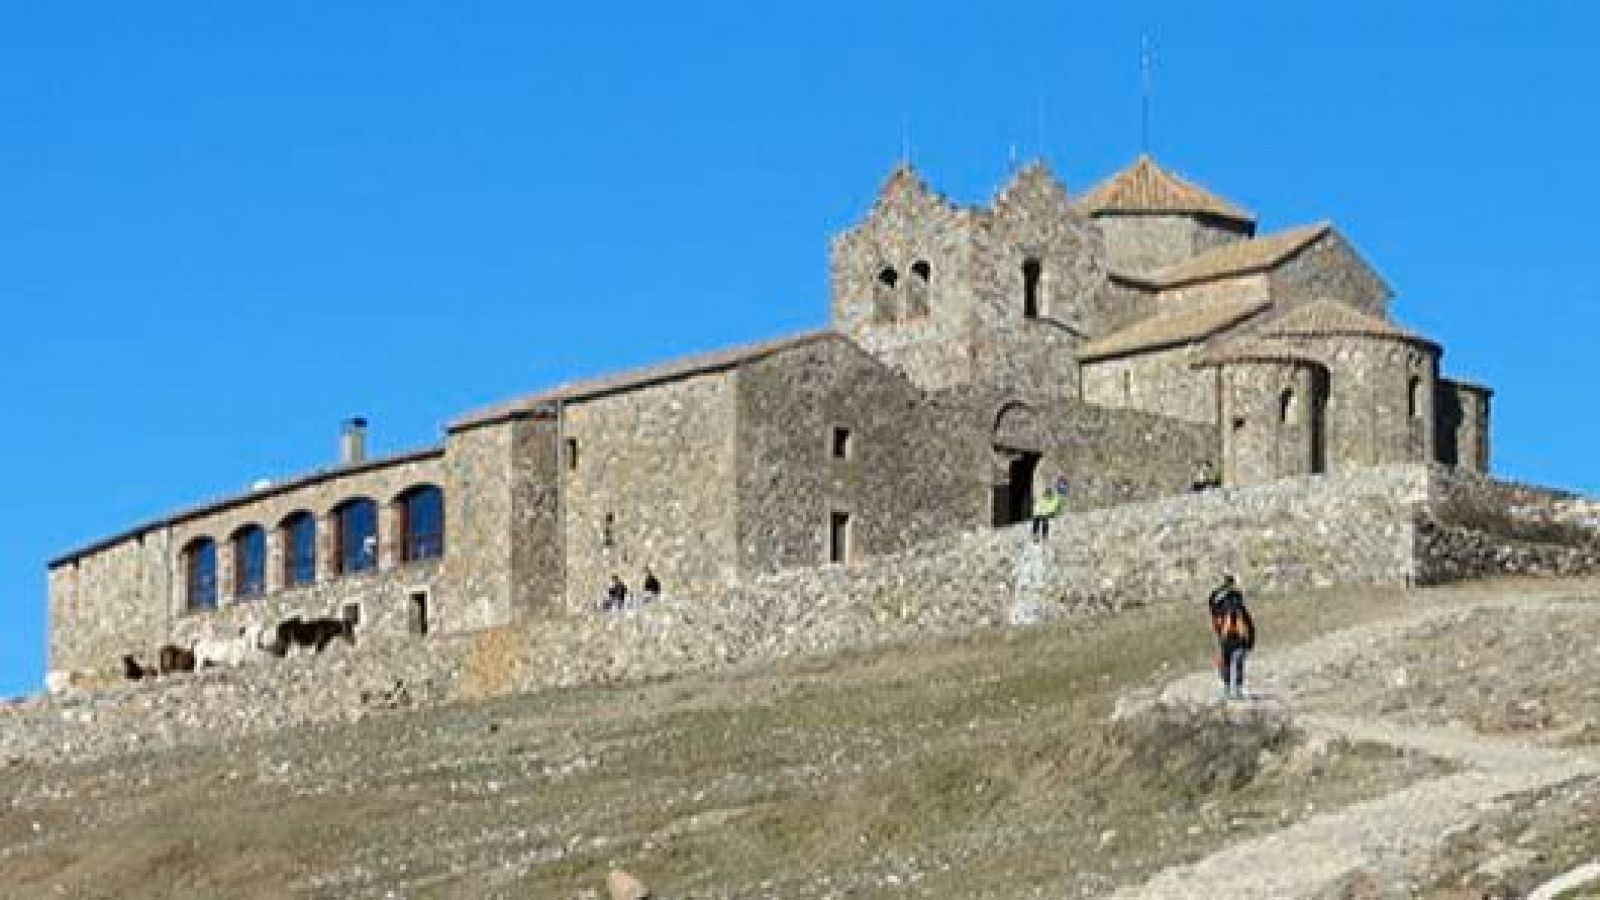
<point x="1147" y="66"/>
<point x="1038" y="125"/>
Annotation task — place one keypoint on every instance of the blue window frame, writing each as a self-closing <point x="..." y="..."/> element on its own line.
<point x="422" y="523"/>
<point x="357" y="522"/>
<point x="249" y="562"/>
<point x="200" y="574"/>
<point x="299" y="549"/>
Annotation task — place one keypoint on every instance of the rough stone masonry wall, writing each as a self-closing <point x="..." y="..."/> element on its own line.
<point x="1141" y="243"/>
<point x="1110" y="456"/>
<point x="1162" y="382"/>
<point x="1268" y="413"/>
<point x="1329" y="269"/>
<point x="111" y="602"/>
<point x="1365" y="527"/>
<point x="1477" y="526"/>
<point x="909" y="224"/>
<point x="479" y="530"/>
<point x="130" y="597"/>
<point x="660" y="462"/>
<point x="905" y="476"/>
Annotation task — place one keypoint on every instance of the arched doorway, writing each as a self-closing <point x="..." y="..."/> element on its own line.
<point x="1015" y="463"/>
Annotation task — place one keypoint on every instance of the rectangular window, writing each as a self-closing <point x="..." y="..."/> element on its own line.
<point x="572" y="454"/>
<point x="418" y="624"/>
<point x="841" y="443"/>
<point x="839" y="537"/>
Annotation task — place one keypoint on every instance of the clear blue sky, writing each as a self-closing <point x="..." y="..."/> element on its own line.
<point x="224" y="227"/>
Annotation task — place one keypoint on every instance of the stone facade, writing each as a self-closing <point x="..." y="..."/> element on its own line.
<point x="131" y="594"/>
<point x="654" y="484"/>
<point x="1389" y="526"/>
<point x="1146" y="242"/>
<point x="965" y="368"/>
<point x="1162" y="382"/>
<point x="1273" y="415"/>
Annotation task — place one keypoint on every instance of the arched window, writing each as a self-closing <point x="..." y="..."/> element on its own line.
<point x="249" y="561"/>
<point x="1288" y="408"/>
<point x="917" y="289"/>
<point x="1032" y="275"/>
<point x="299" y="549"/>
<point x="200" y="574"/>
<point x="356" y="527"/>
<point x="1414" y="397"/>
<point x="421" y="523"/>
<point x="883" y="295"/>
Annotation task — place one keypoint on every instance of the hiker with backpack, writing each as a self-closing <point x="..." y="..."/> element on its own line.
<point x="1236" y="635"/>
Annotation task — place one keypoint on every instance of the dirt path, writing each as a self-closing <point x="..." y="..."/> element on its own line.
<point x="1307" y="859"/>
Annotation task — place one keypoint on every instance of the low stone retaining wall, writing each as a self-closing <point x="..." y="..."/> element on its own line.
<point x="1383" y="526"/>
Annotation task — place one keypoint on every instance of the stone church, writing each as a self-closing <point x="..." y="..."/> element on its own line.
<point x="1125" y="338"/>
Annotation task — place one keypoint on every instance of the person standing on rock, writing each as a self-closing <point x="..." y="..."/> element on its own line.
<point x="1044" y="509"/>
<point x="1236" y="635"/>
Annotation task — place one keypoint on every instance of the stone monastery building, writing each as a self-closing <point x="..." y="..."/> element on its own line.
<point x="1125" y="338"/>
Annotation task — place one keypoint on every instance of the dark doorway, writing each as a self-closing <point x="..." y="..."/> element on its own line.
<point x="1013" y="497"/>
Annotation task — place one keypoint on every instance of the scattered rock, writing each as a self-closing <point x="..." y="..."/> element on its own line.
<point x="623" y="886"/>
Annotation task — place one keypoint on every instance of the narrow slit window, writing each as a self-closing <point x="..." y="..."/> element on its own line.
<point x="917" y="292"/>
<point x="884" y="303"/>
<point x="572" y="454"/>
<point x="839" y="537"/>
<point x="1032" y="275"/>
<point x="841" y="443"/>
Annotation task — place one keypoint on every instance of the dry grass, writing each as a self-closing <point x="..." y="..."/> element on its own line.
<point x="980" y="767"/>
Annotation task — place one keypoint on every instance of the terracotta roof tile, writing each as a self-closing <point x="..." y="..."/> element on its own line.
<point x="1145" y="187"/>
<point x="1326" y="317"/>
<point x="1174" y="328"/>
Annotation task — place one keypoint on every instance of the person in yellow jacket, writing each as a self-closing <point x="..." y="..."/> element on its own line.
<point x="1045" y="508"/>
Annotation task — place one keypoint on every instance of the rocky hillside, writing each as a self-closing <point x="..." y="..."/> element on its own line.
<point x="1441" y="743"/>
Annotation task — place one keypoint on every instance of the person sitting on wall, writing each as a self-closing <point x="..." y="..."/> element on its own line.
<point x="616" y="595"/>
<point x="652" y="586"/>
<point x="1205" y="477"/>
<point x="1044" y="509"/>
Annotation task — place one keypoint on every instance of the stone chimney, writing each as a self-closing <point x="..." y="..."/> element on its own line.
<point x="353" y="442"/>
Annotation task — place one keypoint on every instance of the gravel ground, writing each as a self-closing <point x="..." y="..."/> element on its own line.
<point x="987" y="766"/>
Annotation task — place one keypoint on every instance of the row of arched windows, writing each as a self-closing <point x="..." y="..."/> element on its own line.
<point x="897" y="300"/>
<point x="888" y="304"/>
<point x="419" y="519"/>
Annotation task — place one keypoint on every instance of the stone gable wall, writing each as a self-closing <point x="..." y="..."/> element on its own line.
<point x="1162" y="382"/>
<point x="907" y="475"/>
<point x="661" y="462"/>
<point x="909" y="224"/>
<point x="1329" y="269"/>
<point x="1144" y="243"/>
